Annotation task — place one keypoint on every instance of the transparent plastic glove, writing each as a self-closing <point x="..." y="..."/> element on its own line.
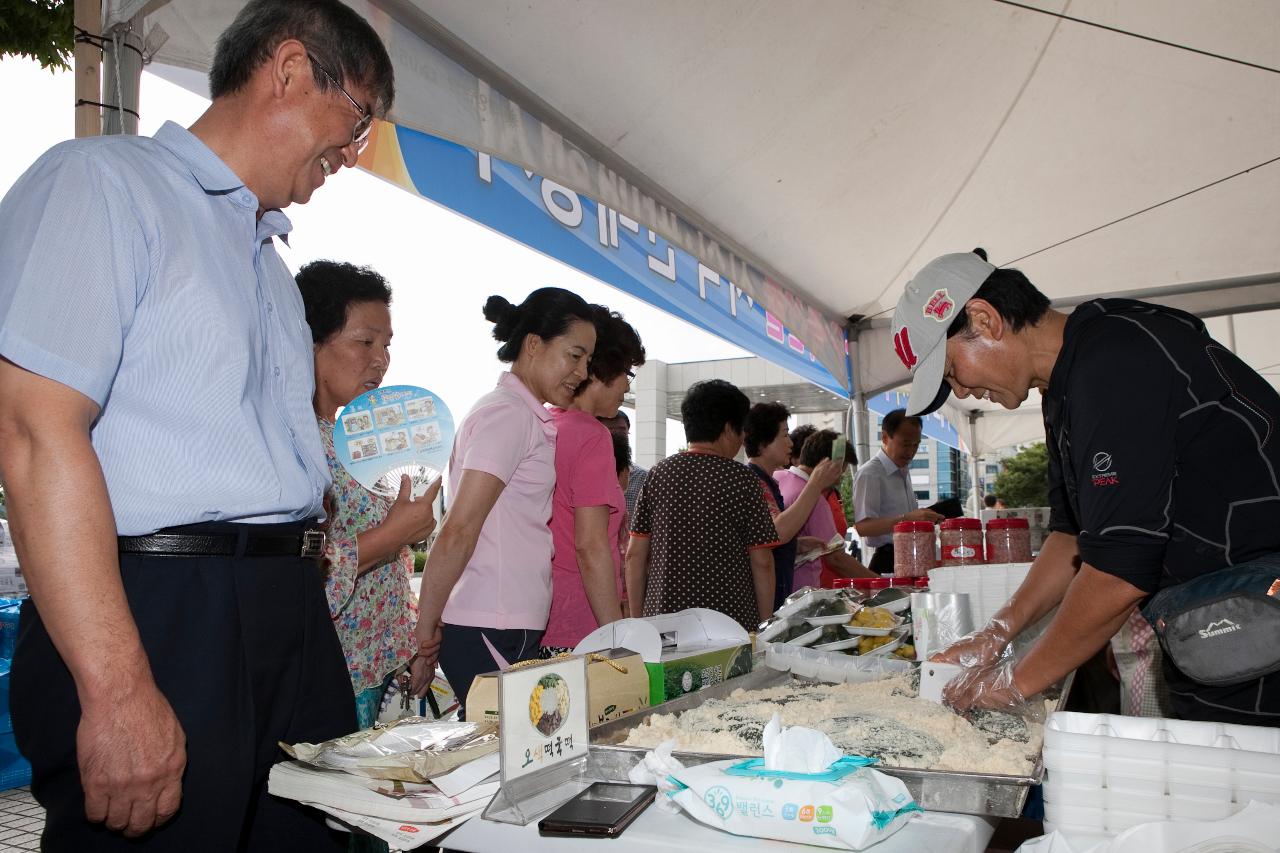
<point x="981" y="648"/>
<point x="990" y="687"/>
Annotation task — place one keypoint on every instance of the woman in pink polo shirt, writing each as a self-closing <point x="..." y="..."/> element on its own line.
<point x="489" y="571"/>
<point x="588" y="506"/>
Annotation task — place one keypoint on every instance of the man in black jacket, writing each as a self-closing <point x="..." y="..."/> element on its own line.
<point x="1163" y="461"/>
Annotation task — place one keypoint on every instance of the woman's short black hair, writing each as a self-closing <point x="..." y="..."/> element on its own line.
<point x="618" y="347"/>
<point x="1013" y="296"/>
<point x="621" y="451"/>
<point x="763" y="422"/>
<point x="710" y="405"/>
<point x="333" y="33"/>
<point x="818" y="447"/>
<point x="798" y="437"/>
<point x="896" y="419"/>
<point x="547" y="312"/>
<point x="329" y="288"/>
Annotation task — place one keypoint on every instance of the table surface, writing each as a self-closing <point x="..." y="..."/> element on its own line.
<point x="655" y="829"/>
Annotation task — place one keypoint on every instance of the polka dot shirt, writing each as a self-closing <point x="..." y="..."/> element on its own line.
<point x="702" y="514"/>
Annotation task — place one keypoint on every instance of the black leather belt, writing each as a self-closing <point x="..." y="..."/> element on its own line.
<point x="310" y="543"/>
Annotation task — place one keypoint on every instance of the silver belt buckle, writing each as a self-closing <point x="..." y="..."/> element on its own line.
<point x="313" y="543"/>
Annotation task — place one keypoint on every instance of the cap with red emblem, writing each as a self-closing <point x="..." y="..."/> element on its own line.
<point x="925" y="311"/>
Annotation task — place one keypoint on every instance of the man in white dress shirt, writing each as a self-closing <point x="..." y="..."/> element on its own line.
<point x="882" y="490"/>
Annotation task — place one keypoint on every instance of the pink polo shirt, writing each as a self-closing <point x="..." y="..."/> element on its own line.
<point x="586" y="475"/>
<point x="820" y="524"/>
<point x="507" y="582"/>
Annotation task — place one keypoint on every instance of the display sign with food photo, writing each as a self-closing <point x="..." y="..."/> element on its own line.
<point x="543" y="716"/>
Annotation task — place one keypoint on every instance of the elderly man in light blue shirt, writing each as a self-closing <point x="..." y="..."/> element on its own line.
<point x="882" y="490"/>
<point x="160" y="455"/>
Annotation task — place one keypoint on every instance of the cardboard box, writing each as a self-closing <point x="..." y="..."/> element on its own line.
<point x="617" y="684"/>
<point x="683" y="652"/>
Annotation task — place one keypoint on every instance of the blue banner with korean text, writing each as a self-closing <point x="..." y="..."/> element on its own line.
<point x="592" y="237"/>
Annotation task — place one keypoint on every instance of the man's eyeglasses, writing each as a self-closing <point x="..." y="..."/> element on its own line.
<point x="359" y="133"/>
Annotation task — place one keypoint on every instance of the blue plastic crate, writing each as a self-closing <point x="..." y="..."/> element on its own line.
<point x="9" y="612"/>
<point x="6" y="724"/>
<point x="14" y="769"/>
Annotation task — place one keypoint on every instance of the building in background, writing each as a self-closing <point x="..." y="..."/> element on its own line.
<point x="939" y="471"/>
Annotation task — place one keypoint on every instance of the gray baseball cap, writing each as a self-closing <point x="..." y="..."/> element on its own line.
<point x="925" y="311"/>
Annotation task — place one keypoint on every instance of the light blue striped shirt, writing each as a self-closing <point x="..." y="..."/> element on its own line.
<point x="882" y="490"/>
<point x="135" y="271"/>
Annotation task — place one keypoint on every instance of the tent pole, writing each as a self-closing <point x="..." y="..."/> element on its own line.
<point x="973" y="462"/>
<point x="88" y="60"/>
<point x="858" y="423"/>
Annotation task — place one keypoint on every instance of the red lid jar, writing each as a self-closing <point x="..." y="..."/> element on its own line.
<point x="1008" y="540"/>
<point x="913" y="549"/>
<point x="961" y="541"/>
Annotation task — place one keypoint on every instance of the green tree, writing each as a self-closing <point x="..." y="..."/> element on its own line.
<point x="42" y="30"/>
<point x="1025" y="478"/>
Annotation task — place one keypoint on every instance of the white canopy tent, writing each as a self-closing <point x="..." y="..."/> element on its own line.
<point x="818" y="152"/>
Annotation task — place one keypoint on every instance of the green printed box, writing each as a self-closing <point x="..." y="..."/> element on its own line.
<point x="683" y="652"/>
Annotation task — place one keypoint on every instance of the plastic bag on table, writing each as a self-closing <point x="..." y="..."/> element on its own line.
<point x="413" y="749"/>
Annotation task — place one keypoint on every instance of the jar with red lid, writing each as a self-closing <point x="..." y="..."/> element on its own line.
<point x="961" y="540"/>
<point x="1008" y="540"/>
<point x="914" y="551"/>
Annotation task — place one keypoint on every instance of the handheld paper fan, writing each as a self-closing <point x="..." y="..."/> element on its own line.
<point x="391" y="432"/>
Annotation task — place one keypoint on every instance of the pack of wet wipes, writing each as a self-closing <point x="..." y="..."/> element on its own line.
<point x="803" y="790"/>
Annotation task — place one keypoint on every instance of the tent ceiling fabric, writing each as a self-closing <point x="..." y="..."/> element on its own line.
<point x="844" y="143"/>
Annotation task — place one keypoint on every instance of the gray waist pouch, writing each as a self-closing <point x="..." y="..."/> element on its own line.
<point x="1222" y="628"/>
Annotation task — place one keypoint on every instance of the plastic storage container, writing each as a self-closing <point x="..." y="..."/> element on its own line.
<point x="1008" y="540"/>
<point x="914" y="552"/>
<point x="961" y="540"/>
<point x="1106" y="773"/>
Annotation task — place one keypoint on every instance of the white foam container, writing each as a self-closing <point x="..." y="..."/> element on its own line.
<point x="1105" y="773"/>
<point x="833" y="667"/>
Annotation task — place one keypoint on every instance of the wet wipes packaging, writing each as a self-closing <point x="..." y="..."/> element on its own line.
<point x="804" y="790"/>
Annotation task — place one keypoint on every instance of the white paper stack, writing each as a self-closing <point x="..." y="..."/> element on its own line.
<point x="406" y="815"/>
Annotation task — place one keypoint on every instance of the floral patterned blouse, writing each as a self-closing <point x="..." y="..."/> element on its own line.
<point x="374" y="613"/>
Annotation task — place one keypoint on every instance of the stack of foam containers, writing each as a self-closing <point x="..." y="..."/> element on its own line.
<point x="989" y="585"/>
<point x="1106" y="773"/>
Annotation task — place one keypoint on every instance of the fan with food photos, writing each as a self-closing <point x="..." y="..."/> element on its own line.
<point x="393" y="431"/>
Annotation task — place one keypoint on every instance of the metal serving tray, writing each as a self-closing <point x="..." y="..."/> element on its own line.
<point x="987" y="794"/>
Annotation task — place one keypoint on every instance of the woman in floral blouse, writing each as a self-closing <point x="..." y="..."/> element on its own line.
<point x="373" y="608"/>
